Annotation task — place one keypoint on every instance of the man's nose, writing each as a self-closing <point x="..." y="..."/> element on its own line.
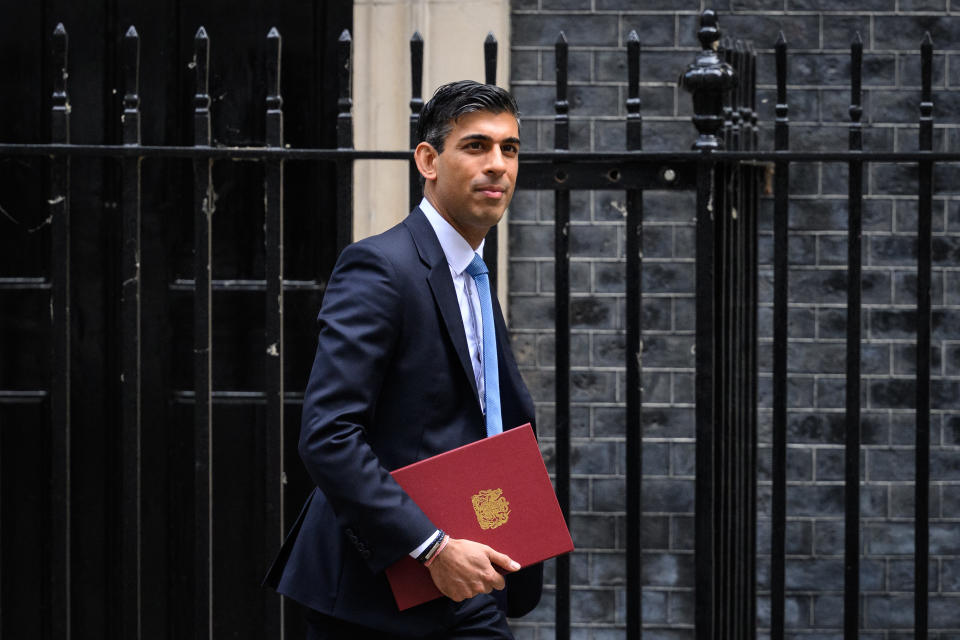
<point x="496" y="163"/>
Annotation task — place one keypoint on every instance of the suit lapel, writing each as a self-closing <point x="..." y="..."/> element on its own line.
<point x="441" y="284"/>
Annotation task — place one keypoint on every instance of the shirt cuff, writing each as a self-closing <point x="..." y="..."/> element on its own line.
<point x="416" y="552"/>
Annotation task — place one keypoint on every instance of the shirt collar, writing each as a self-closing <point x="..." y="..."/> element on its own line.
<point x="458" y="251"/>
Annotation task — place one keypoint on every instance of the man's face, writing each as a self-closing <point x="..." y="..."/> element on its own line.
<point x="471" y="182"/>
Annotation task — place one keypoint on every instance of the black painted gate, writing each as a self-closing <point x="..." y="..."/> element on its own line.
<point x="145" y="472"/>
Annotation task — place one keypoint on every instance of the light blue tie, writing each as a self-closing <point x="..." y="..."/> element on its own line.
<point x="491" y="378"/>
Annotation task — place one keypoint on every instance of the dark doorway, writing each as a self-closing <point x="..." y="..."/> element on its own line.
<point x="237" y="30"/>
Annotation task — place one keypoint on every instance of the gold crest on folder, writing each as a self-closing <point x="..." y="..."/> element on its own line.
<point x="491" y="507"/>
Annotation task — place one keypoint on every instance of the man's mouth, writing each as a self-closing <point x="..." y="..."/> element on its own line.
<point x="492" y="191"/>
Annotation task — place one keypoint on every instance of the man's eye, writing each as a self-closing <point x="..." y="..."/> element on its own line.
<point x="474" y="145"/>
<point x="509" y="148"/>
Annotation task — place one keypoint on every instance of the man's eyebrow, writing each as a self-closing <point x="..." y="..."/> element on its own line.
<point x="486" y="138"/>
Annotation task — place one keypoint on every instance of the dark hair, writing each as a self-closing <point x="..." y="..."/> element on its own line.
<point x="455" y="99"/>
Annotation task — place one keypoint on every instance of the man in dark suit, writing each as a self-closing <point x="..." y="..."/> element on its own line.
<point x="408" y="366"/>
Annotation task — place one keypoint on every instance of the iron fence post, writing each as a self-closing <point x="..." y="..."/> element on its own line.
<point x="707" y="79"/>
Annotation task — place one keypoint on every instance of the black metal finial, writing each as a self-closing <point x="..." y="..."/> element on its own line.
<point x="60" y="41"/>
<point x="131" y="86"/>
<point x="561" y="106"/>
<point x="856" y="79"/>
<point x="709" y="33"/>
<point x="344" y="103"/>
<point x="634" y="119"/>
<point x="708" y="78"/>
<point x="926" y="66"/>
<point x="201" y="61"/>
<point x="416" y="72"/>
<point x="490" y="59"/>
<point x="274" y="52"/>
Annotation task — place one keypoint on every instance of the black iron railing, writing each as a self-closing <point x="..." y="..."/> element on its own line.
<point x="725" y="169"/>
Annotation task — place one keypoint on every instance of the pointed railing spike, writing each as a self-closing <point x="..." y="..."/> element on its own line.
<point x="131" y="87"/>
<point x="634" y="122"/>
<point x="274" y="52"/>
<point x="490" y="59"/>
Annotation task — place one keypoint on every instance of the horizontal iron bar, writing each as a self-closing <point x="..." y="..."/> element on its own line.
<point x="10" y="396"/>
<point x="187" y="284"/>
<point x="641" y="157"/>
<point x="238" y="397"/>
<point x="39" y="284"/>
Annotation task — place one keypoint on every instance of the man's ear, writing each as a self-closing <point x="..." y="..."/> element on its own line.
<point x="426" y="158"/>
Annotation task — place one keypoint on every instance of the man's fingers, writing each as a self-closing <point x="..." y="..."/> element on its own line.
<point x="502" y="560"/>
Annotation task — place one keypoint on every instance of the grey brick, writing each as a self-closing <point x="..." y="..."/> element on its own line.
<point x="668" y="351"/>
<point x="829" y="537"/>
<point x="593" y="240"/>
<point x="945" y="611"/>
<point x="524" y="349"/>
<point x="905" y="359"/>
<point x="579" y="494"/>
<point x="681" y="609"/>
<point x="905" y="288"/>
<point x="608" y="495"/>
<point x="683" y="388"/>
<point x="682" y="459"/>
<point x="561" y="5"/>
<point x="684" y="314"/>
<point x="888" y="538"/>
<point x="945" y="539"/>
<point x="579" y="349"/>
<point x="524" y="65"/>
<point x="531" y="241"/>
<point x="580" y="29"/>
<point x="654" y="606"/>
<point x="901" y="576"/>
<point x="523" y="276"/>
<point x="895" y="464"/>
<point x="831" y="464"/>
<point x="668" y="569"/>
<point x="800" y="392"/>
<point x="923" y="5"/>
<point x="592" y="605"/>
<point x="907" y="33"/>
<point x="579" y="272"/>
<point x="804" y="105"/>
<point x="594" y="313"/>
<point x="654" y="31"/>
<point x="608" y="569"/>
<point x="807" y="500"/>
<point x="668" y="277"/>
<point x="888" y="612"/>
<point x="592" y="386"/>
<point x="818" y="574"/>
<point x="668" y="495"/>
<point x="827" y="611"/>
<point x="592" y="531"/>
<point x="848" y="5"/>
<point x="608" y="421"/>
<point x="593" y="458"/>
<point x="682" y="533"/>
<point x="656" y="387"/>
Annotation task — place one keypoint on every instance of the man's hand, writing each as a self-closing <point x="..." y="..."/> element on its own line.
<point x="465" y="568"/>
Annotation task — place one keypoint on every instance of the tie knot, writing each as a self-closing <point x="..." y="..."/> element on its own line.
<point x="477" y="266"/>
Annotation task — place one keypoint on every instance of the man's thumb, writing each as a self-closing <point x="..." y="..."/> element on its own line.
<point x="504" y="561"/>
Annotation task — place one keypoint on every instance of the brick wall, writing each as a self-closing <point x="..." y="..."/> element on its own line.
<point x="819" y="34"/>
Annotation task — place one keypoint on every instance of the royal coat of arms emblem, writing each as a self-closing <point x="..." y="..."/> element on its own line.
<point x="491" y="507"/>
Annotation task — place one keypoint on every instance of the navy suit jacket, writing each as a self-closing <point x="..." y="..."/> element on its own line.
<point x="391" y="384"/>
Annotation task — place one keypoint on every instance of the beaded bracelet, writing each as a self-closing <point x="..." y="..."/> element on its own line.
<point x="433" y="557"/>
<point x="432" y="547"/>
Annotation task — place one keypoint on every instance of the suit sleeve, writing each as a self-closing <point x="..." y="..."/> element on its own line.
<point x="359" y="325"/>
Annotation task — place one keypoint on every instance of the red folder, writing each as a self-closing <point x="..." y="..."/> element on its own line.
<point x="495" y="491"/>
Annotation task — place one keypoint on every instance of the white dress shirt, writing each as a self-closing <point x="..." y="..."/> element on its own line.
<point x="459" y="255"/>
